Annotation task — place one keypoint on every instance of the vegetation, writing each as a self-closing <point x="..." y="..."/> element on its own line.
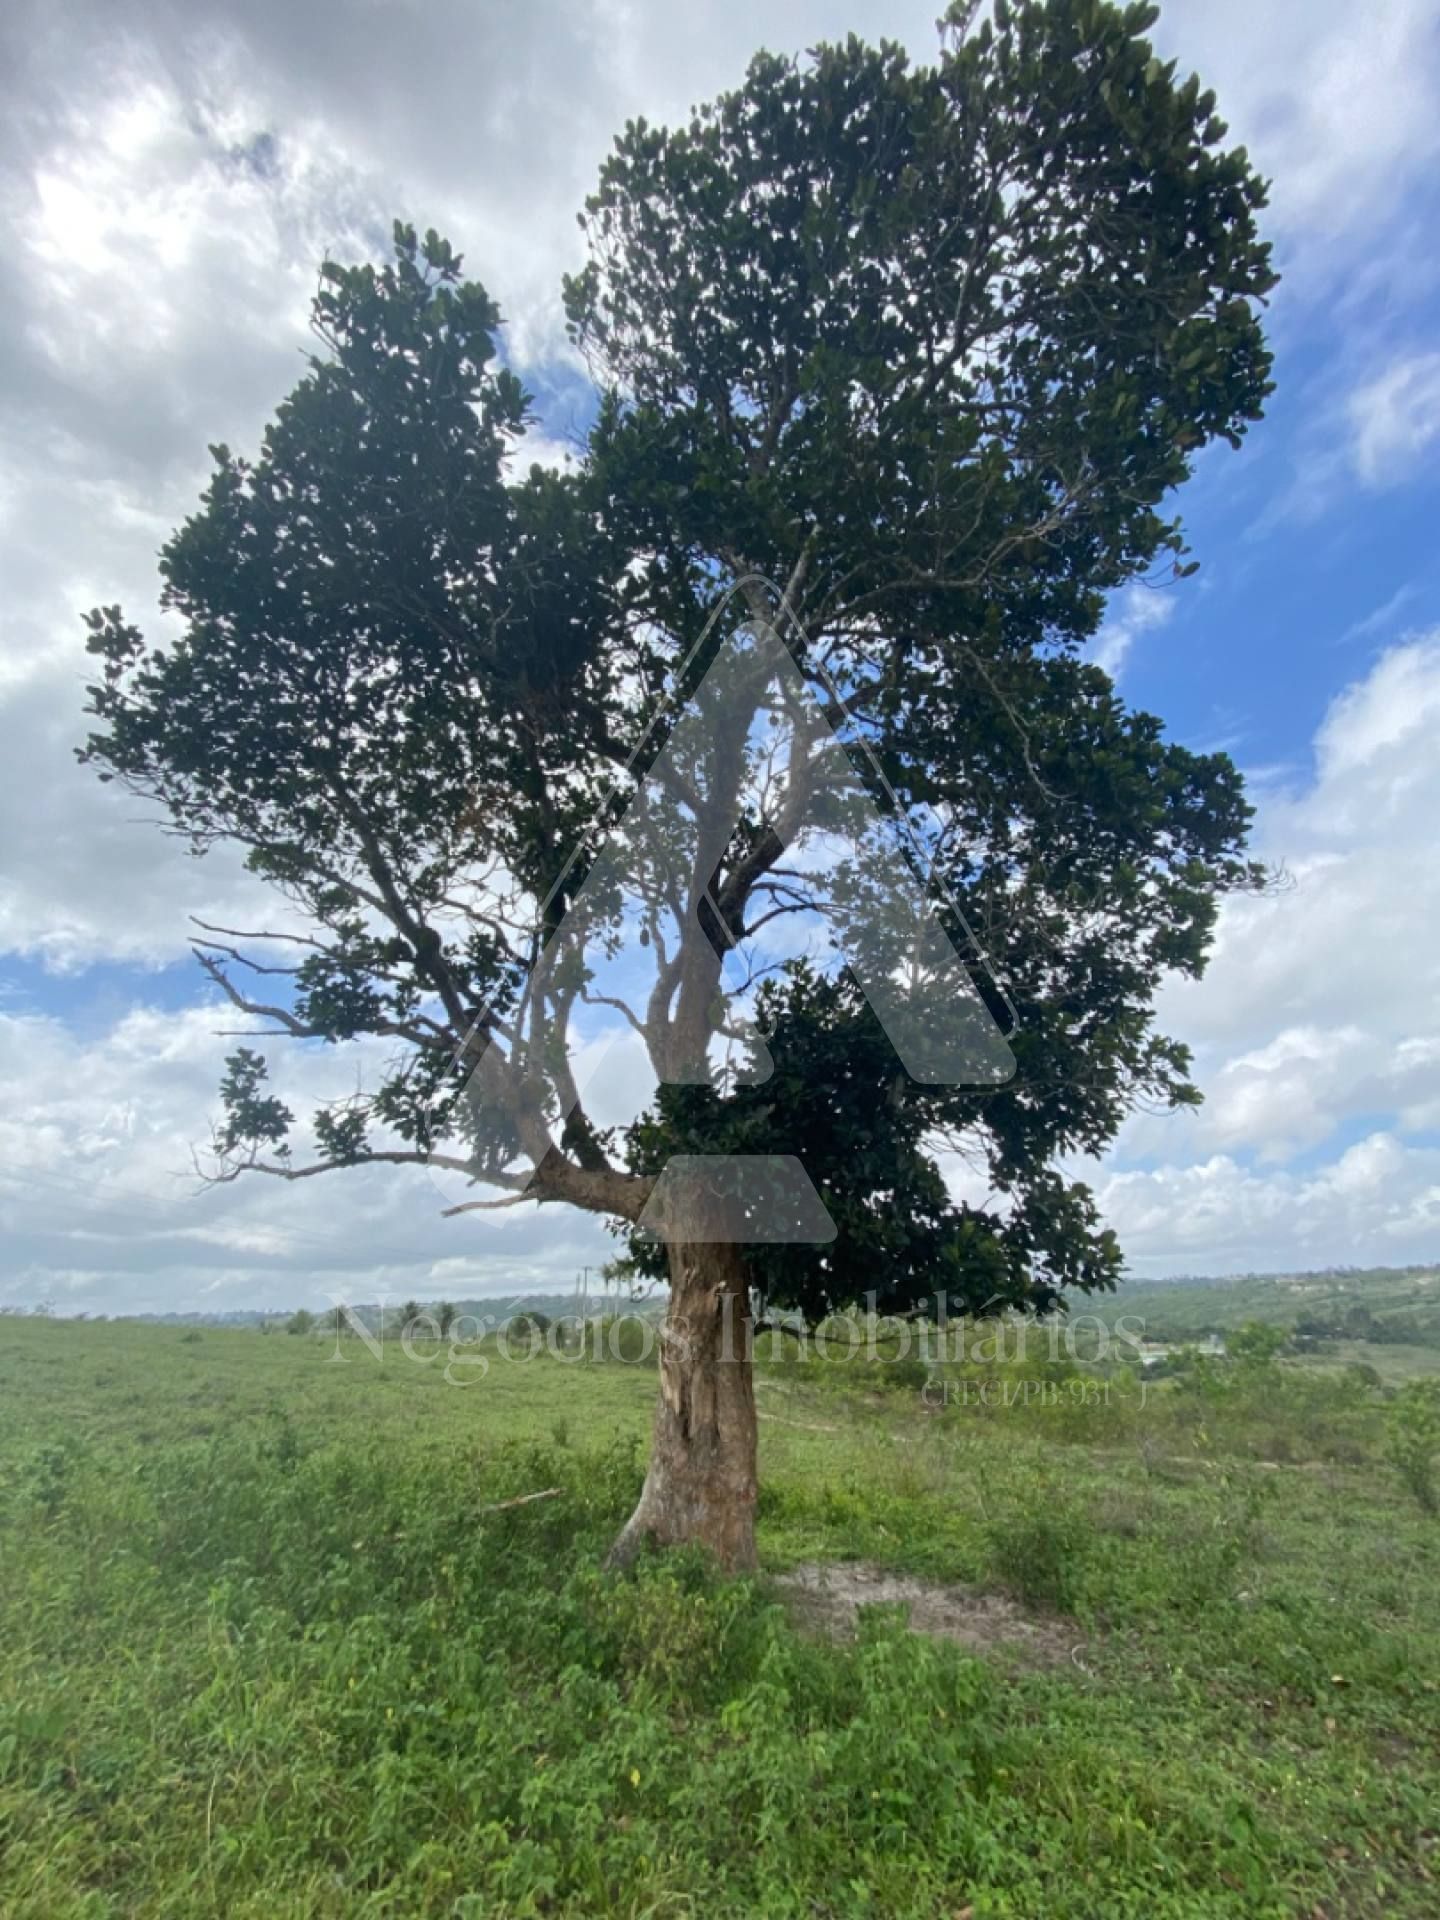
<point x="272" y="1643"/>
<point x="1414" y="1440"/>
<point x="1381" y="1308"/>
<point x="905" y="362"/>
<point x="920" y="352"/>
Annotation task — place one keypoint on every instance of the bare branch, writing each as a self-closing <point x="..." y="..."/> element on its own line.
<point x="609" y="1000"/>
<point x="245" y="933"/>
<point x="488" y="1206"/>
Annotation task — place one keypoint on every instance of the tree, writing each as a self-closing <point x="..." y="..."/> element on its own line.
<point x="529" y="1321"/>
<point x="904" y="361"/>
<point x="445" y="1317"/>
<point x="1255" y="1346"/>
<point x="409" y="1316"/>
<point x="522" y="1326"/>
<point x="301" y="1321"/>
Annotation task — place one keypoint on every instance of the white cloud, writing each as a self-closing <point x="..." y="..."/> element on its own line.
<point x="1378" y="1202"/>
<point x="1136" y="611"/>
<point x="543" y="450"/>
<point x="1319" y="1016"/>
<point x="1382" y="618"/>
<point x="101" y="1208"/>
<point x="1337" y="103"/>
<point x="1361" y="430"/>
<point x="1348" y="941"/>
<point x="1394" y="418"/>
<point x="1336" y="106"/>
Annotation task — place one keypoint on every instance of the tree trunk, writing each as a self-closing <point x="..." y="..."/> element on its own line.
<point x="701" y="1482"/>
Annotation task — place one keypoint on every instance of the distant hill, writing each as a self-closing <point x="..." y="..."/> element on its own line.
<point x="492" y="1309"/>
<point x="1382" y="1305"/>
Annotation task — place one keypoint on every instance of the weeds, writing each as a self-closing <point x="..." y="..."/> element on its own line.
<point x="292" y="1666"/>
<point x="1412" y="1441"/>
<point x="1039" y="1545"/>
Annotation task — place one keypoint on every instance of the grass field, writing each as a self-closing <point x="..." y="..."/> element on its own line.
<point x="264" y="1651"/>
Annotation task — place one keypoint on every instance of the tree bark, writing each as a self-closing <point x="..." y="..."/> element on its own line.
<point x="701" y="1483"/>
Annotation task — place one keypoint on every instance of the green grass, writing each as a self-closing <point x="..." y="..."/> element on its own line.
<point x="263" y="1652"/>
<point x="1394" y="1364"/>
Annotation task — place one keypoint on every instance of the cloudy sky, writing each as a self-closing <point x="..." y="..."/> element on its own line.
<point x="171" y="171"/>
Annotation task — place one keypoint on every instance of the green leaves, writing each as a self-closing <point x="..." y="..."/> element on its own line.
<point x="253" y="1118"/>
<point x="917" y="303"/>
<point x="929" y="345"/>
<point x="341" y="1134"/>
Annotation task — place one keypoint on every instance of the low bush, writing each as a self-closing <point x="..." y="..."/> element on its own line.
<point x="1040" y="1543"/>
<point x="1412" y="1442"/>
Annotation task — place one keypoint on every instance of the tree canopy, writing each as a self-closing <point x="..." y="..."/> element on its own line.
<point x="917" y="355"/>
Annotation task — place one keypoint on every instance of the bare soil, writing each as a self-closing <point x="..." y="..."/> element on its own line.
<point x="826" y="1599"/>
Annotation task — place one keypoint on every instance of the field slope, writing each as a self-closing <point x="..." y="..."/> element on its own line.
<point x="271" y="1644"/>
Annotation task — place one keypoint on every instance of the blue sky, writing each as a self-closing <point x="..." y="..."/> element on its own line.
<point x="169" y="176"/>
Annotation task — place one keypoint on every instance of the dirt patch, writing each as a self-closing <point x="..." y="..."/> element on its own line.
<point x="825" y="1600"/>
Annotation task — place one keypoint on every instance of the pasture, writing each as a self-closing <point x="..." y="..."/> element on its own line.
<point x="273" y="1644"/>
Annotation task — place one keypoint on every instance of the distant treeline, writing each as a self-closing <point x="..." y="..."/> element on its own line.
<point x="1383" y="1306"/>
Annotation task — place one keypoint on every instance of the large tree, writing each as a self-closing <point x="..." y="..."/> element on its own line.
<point x="903" y="360"/>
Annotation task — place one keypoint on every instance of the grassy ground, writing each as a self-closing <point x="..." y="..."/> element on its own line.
<point x="1394" y="1364"/>
<point x="264" y="1653"/>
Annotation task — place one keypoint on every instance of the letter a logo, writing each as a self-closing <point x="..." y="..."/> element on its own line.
<point x="749" y="844"/>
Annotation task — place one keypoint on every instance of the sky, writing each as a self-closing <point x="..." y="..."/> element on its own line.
<point x="171" y="173"/>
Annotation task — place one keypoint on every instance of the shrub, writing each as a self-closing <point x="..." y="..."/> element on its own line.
<point x="626" y="1337"/>
<point x="1255" y="1346"/>
<point x="1040" y="1549"/>
<point x="905" y="1373"/>
<point x="1362" y="1375"/>
<point x="45" y="1477"/>
<point x="1413" y="1440"/>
